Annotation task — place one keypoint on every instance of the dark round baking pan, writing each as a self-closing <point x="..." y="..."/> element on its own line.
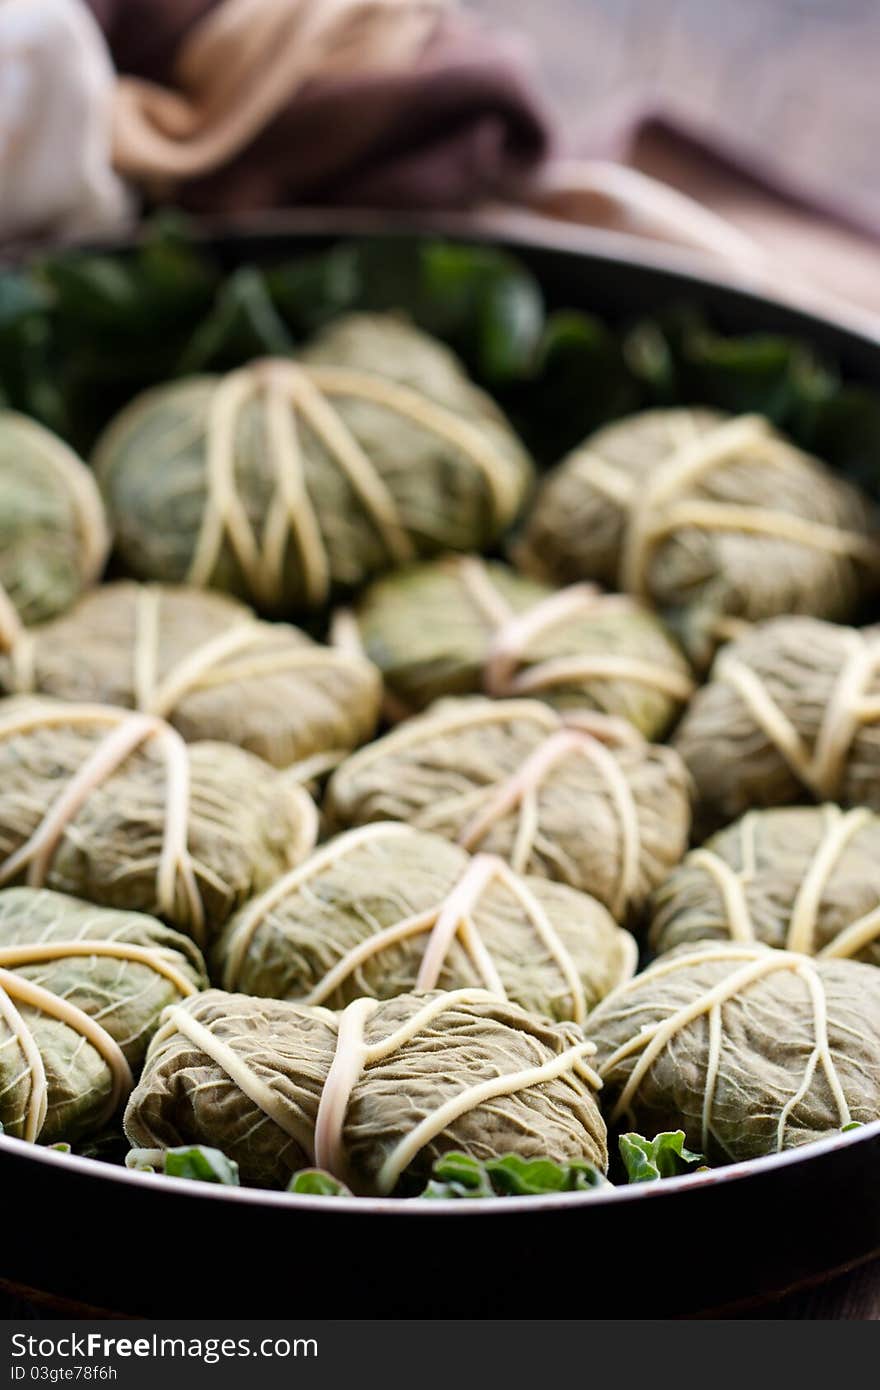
<point x="149" y="1245"/>
<point x="708" y="1242"/>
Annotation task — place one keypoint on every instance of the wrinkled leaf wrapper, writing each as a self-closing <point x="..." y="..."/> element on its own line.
<point x="247" y="1076"/>
<point x="207" y="665"/>
<point x="791" y="714"/>
<point x="748" y="1050"/>
<point x="386" y="909"/>
<point x="461" y="625"/>
<point x="804" y="878"/>
<point x="712" y="519"/>
<point x="511" y="777"/>
<point x="286" y="482"/>
<point x="115" y="808"/>
<point x="53" y="531"/>
<point x="65" y="965"/>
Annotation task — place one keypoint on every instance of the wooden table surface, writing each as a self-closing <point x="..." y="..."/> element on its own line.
<point x="854" y="1296"/>
<point x="751" y="77"/>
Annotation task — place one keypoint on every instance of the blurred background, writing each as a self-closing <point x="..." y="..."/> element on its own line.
<point x="745" y="131"/>
<point x="765" y="110"/>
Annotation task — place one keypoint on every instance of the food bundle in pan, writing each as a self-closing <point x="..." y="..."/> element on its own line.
<point x="353" y="831"/>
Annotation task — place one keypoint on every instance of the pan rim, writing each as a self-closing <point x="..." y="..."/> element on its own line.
<point x="801" y="1156"/>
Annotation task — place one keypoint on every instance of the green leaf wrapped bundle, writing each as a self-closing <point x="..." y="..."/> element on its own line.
<point x="805" y="878"/>
<point x="577" y="798"/>
<point x="286" y="481"/>
<point x="385" y="909"/>
<point x="115" y="808"/>
<point x="791" y="713"/>
<point x="207" y="665"/>
<point x="81" y="991"/>
<point x="372" y="1095"/>
<point x="710" y="517"/>
<point x="53" y="531"/>
<point x="461" y="625"/>
<point x="748" y="1049"/>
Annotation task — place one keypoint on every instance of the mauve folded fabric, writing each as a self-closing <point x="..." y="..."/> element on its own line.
<point x="144" y="35"/>
<point x="386" y="103"/>
<point x="461" y="126"/>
